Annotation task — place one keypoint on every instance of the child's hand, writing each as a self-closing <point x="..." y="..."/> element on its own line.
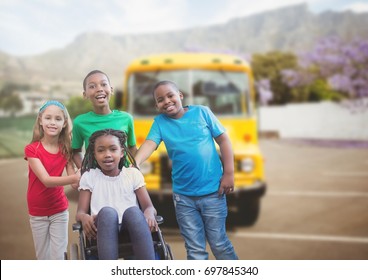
<point x="76" y="178"/>
<point x="151" y="221"/>
<point x="89" y="227"/>
<point x="227" y="184"/>
<point x="78" y="173"/>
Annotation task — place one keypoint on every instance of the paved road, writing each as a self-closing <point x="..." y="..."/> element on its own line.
<point x="316" y="207"/>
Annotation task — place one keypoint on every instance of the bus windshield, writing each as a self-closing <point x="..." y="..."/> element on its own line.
<point x="224" y="92"/>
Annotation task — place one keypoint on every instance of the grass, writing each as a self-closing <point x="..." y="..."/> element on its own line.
<point x="21" y="123"/>
<point x="15" y="133"/>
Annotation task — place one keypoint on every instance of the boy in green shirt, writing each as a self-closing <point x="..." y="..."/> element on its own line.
<point x="97" y="89"/>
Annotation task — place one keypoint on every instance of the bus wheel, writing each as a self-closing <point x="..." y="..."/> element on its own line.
<point x="166" y="209"/>
<point x="247" y="212"/>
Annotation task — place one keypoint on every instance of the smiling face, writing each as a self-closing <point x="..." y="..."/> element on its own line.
<point x="168" y="101"/>
<point x="52" y="121"/>
<point x="98" y="90"/>
<point x="108" y="153"/>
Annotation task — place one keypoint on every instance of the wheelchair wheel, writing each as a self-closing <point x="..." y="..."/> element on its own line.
<point x="74" y="252"/>
<point x="170" y="255"/>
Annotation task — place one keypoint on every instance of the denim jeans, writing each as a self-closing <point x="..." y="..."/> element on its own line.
<point x="200" y="219"/>
<point x="50" y="235"/>
<point x="108" y="230"/>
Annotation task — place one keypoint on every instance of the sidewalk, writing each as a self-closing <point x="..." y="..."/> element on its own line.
<point x="328" y="143"/>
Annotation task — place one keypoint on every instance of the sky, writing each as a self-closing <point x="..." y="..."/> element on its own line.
<point x="29" y="27"/>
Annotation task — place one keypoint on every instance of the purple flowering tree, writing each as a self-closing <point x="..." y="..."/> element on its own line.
<point x="342" y="68"/>
<point x="267" y="74"/>
<point x="265" y="94"/>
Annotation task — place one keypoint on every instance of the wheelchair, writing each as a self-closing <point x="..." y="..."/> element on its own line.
<point x="87" y="249"/>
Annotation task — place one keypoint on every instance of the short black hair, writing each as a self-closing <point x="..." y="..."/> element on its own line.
<point x="92" y="73"/>
<point x="162" y="83"/>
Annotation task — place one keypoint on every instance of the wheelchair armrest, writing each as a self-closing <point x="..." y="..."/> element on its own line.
<point x="159" y="220"/>
<point x="77" y="226"/>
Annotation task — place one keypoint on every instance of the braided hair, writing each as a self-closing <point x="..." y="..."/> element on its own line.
<point x="89" y="160"/>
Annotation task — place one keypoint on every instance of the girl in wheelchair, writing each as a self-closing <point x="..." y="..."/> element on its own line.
<point x="113" y="198"/>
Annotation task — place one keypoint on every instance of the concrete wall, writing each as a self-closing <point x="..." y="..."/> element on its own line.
<point x="324" y="120"/>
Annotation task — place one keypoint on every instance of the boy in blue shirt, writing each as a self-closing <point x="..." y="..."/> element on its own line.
<point x="200" y="180"/>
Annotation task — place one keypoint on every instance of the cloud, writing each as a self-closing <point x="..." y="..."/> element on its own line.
<point x="147" y="16"/>
<point x="358" y="7"/>
<point x="29" y="27"/>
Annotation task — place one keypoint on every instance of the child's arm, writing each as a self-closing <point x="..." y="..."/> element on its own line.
<point x="145" y="150"/>
<point x="78" y="157"/>
<point x="83" y="216"/>
<point x="147" y="207"/>
<point x="133" y="150"/>
<point x="70" y="171"/>
<point x="227" y="155"/>
<point x="51" y="181"/>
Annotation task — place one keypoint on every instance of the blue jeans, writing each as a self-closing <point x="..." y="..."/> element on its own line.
<point x="201" y="218"/>
<point x="108" y="231"/>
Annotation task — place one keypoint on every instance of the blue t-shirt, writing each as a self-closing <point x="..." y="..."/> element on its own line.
<point x="196" y="165"/>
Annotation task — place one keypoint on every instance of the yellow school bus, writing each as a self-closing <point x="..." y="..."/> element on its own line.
<point x="225" y="84"/>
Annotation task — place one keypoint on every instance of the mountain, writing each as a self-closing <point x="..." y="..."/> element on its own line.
<point x="292" y="28"/>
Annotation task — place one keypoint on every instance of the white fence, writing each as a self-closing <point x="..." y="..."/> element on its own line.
<point x="324" y="120"/>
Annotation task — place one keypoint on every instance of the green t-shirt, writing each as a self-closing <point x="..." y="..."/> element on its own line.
<point x="84" y="125"/>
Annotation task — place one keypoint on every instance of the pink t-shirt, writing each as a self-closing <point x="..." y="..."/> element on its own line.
<point x="43" y="201"/>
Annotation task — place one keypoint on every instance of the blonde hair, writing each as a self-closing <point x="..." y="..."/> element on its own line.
<point x="65" y="136"/>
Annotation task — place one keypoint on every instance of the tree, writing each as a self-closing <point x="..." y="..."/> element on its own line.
<point x="12" y="104"/>
<point x="333" y="70"/>
<point x="9" y="98"/>
<point x="78" y="105"/>
<point x="265" y="93"/>
<point x="269" y="67"/>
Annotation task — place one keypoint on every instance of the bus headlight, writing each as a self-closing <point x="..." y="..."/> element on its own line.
<point x="146" y="168"/>
<point x="247" y="165"/>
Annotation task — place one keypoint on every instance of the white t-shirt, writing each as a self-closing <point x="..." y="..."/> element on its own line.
<point x="117" y="192"/>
